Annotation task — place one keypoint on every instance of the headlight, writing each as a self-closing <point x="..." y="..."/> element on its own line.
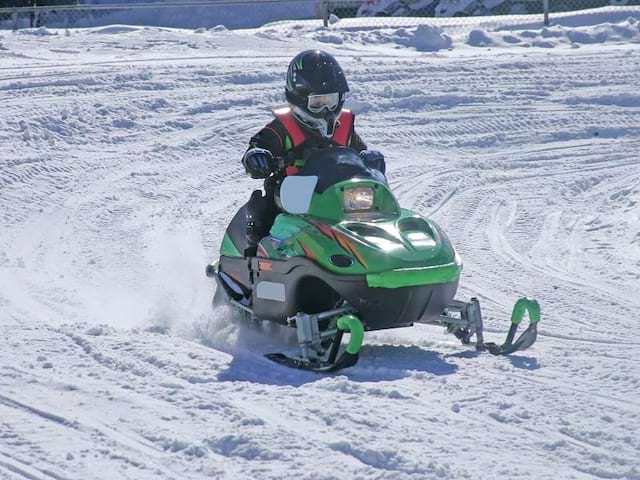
<point x="358" y="199"/>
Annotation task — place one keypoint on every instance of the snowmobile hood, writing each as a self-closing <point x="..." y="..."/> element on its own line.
<point x="343" y="216"/>
<point x="405" y="251"/>
<point x="392" y="252"/>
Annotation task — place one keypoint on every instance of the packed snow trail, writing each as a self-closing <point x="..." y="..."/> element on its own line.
<point x="119" y="170"/>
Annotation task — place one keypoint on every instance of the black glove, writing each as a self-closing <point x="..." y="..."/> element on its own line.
<point x="259" y="162"/>
<point x="374" y="159"/>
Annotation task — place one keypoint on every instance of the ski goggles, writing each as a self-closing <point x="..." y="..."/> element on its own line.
<point x="317" y="103"/>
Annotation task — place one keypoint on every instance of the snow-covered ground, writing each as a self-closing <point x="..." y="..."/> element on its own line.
<point x="119" y="169"/>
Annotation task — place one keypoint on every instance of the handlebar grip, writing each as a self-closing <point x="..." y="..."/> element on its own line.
<point x="284" y="162"/>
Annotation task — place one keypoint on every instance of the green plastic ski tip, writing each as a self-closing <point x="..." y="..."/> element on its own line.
<point x="525" y="305"/>
<point x="353" y="325"/>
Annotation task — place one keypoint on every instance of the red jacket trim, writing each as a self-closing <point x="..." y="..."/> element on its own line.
<point x="291" y="125"/>
<point x="298" y="137"/>
<point x="343" y="132"/>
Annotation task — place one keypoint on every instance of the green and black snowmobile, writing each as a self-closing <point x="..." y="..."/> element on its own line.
<point x="344" y="257"/>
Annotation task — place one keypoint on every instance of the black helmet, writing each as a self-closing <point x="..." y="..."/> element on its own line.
<point x="316" y="89"/>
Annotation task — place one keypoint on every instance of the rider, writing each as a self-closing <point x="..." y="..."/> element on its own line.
<point x="315" y="90"/>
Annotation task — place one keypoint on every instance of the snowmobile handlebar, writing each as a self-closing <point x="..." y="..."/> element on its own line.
<point x="282" y="162"/>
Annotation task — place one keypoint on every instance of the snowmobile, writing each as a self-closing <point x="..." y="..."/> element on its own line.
<point x="344" y="257"/>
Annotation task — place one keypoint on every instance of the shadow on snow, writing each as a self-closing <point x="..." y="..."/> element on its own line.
<point x="518" y="361"/>
<point x="377" y="363"/>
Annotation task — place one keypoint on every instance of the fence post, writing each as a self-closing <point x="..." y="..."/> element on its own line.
<point x="545" y="9"/>
<point x="325" y="13"/>
<point x="14" y="15"/>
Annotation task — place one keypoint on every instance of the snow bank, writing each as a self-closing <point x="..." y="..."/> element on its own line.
<point x="431" y="37"/>
<point x="40" y="32"/>
<point x="556" y="36"/>
<point x="115" y="29"/>
<point x="581" y="18"/>
<point x="479" y="38"/>
<point x="424" y="38"/>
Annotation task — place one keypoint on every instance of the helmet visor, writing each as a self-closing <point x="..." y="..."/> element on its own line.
<point x="330" y="101"/>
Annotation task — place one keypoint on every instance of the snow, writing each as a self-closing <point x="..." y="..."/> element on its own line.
<point x="424" y="38"/>
<point x="119" y="170"/>
<point x="41" y="31"/>
<point x="566" y="31"/>
<point x="553" y="37"/>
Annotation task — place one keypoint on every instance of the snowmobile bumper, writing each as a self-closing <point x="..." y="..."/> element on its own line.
<point x="283" y="288"/>
<point x="410" y="277"/>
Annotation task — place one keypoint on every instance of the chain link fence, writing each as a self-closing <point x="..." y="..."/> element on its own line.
<point x="26" y="16"/>
<point x="15" y="14"/>
<point x="458" y="8"/>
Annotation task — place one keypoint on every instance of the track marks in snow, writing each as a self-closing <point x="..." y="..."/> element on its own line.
<point x="513" y="171"/>
<point x="390" y="460"/>
<point x="34" y="410"/>
<point x="24" y="470"/>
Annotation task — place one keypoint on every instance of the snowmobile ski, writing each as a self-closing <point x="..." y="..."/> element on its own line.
<point x="312" y="341"/>
<point x="468" y="322"/>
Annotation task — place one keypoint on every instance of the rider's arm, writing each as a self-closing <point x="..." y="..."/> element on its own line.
<point x="264" y="147"/>
<point x="372" y="158"/>
<point x="357" y="142"/>
<point x="270" y="138"/>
